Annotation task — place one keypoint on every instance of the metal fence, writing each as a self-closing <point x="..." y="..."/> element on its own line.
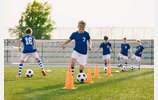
<point x="51" y="53"/>
<point x="111" y="32"/>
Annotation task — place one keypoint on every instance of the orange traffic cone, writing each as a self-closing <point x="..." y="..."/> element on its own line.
<point x="108" y="74"/>
<point x="96" y="72"/>
<point x="89" y="75"/>
<point x="69" y="83"/>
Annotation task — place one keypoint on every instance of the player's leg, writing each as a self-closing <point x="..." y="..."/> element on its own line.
<point x="126" y="63"/>
<point x="23" y="58"/>
<point x="120" y="60"/>
<point x="123" y="62"/>
<point x="106" y="59"/>
<point x="132" y="62"/>
<point x="72" y="65"/>
<point x="105" y="65"/>
<point x="135" y="61"/>
<point x="81" y="68"/>
<point x="74" y="59"/>
<point x="40" y="63"/>
<point x="138" y="62"/>
<point x="82" y="60"/>
<point x="20" y="67"/>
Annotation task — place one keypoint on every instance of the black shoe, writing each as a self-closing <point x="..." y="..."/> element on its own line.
<point x="132" y="68"/>
<point x="123" y="70"/>
<point x="120" y="65"/>
<point x="44" y="73"/>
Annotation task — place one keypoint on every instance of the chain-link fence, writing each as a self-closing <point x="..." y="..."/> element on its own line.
<point x="51" y="53"/>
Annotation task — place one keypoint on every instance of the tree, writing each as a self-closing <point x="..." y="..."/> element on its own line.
<point x="37" y="16"/>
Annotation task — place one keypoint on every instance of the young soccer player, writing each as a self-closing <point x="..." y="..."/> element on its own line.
<point x="123" y="55"/>
<point x="106" y="46"/>
<point x="29" y="49"/>
<point x="82" y="42"/>
<point x="138" y="53"/>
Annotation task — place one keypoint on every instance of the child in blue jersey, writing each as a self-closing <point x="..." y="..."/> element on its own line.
<point x="123" y="55"/>
<point x="29" y="49"/>
<point x="138" y="53"/>
<point x="106" y="46"/>
<point x="82" y="43"/>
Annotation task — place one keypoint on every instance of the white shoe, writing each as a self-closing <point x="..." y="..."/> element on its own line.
<point x="105" y="68"/>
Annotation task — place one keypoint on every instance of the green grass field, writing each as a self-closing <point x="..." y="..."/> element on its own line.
<point x="132" y="85"/>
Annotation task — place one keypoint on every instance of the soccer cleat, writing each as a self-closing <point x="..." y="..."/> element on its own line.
<point x="123" y="70"/>
<point x="44" y="73"/>
<point x="132" y="68"/>
<point x="120" y="65"/>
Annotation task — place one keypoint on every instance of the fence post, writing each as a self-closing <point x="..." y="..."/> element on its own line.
<point x="42" y="51"/>
<point x="152" y="57"/>
<point x="114" y="50"/>
<point x="7" y="49"/>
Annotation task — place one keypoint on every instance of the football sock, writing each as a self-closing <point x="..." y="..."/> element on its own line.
<point x="40" y="64"/>
<point x="139" y="65"/>
<point x="20" y="69"/>
<point x="126" y="66"/>
<point x="105" y="67"/>
<point x="81" y="71"/>
<point x="72" y="69"/>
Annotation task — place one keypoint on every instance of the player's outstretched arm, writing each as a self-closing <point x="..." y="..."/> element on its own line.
<point x="130" y="54"/>
<point x="98" y="50"/>
<point x="90" y="44"/>
<point x="66" y="42"/>
<point x="19" y="45"/>
<point x="111" y="49"/>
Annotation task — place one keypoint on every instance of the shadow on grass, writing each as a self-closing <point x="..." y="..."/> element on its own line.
<point x="56" y="90"/>
<point x="115" y="71"/>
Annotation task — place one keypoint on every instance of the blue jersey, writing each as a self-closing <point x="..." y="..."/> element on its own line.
<point x="106" y="47"/>
<point x="80" y="41"/>
<point x="139" y="50"/>
<point x="124" y="48"/>
<point x="28" y="44"/>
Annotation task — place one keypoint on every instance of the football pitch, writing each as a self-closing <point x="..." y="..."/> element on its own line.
<point x="132" y="85"/>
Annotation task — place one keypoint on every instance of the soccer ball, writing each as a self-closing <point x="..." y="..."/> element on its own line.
<point x="123" y="69"/>
<point x="105" y="69"/>
<point x="81" y="77"/>
<point x="29" y="73"/>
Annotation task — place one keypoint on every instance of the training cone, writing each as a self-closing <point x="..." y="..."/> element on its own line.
<point x="89" y="75"/>
<point x="108" y="74"/>
<point x="69" y="83"/>
<point x="96" y="72"/>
